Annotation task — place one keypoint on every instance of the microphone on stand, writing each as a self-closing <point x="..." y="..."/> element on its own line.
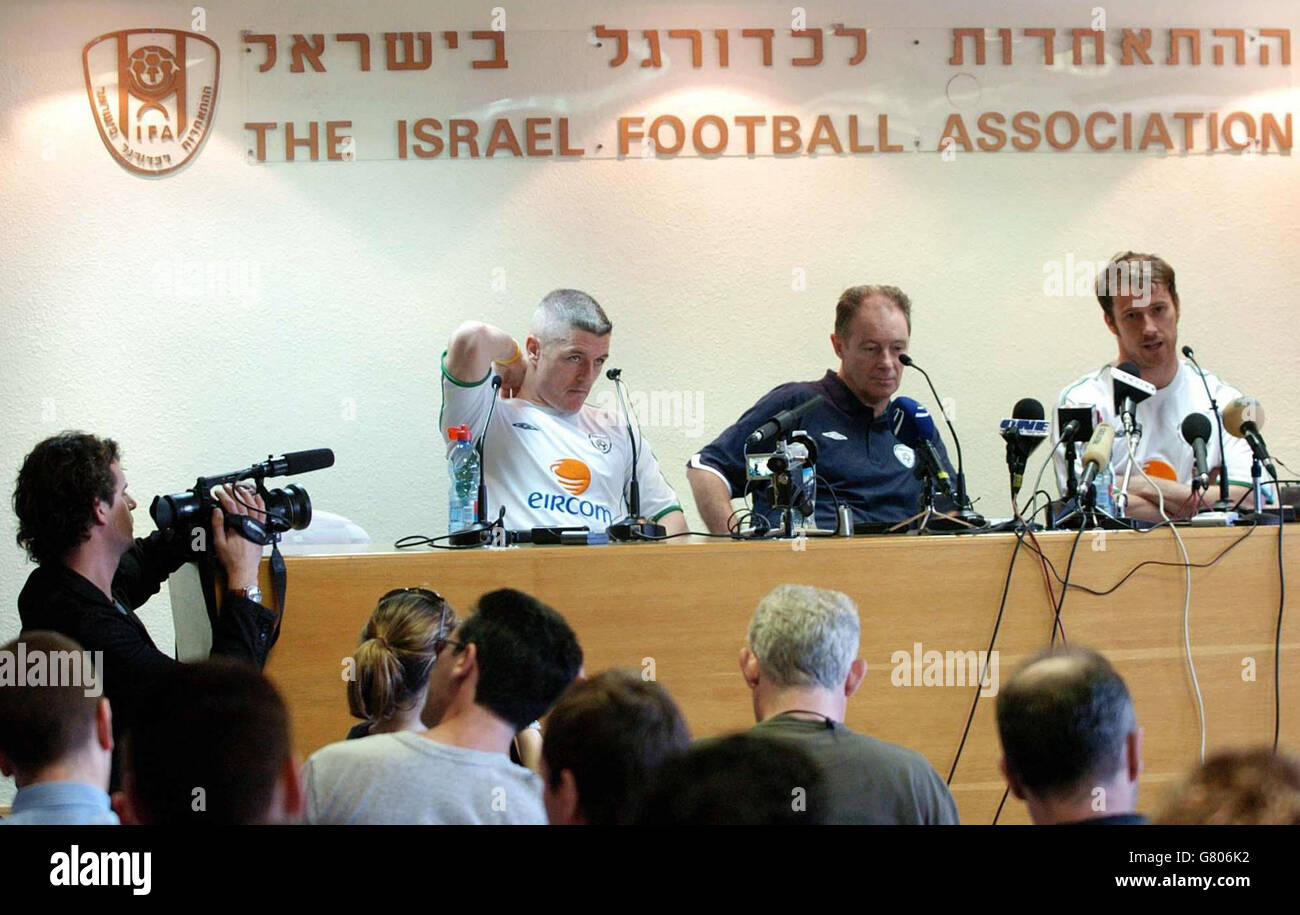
<point x="1196" y="430"/>
<point x="1023" y="432"/>
<point x="1243" y="418"/>
<point x="780" y="424"/>
<point x="1130" y="390"/>
<point x="1095" y="457"/>
<point x="963" y="503"/>
<point x="1225" y="502"/>
<point x="633" y="527"/>
<point x="912" y="425"/>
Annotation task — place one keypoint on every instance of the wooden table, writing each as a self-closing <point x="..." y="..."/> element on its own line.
<point x="682" y="608"/>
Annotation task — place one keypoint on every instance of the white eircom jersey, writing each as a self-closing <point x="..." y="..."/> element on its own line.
<point x="1162" y="452"/>
<point x="552" y="469"/>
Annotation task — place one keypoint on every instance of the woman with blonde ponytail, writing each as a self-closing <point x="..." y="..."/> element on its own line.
<point x="391" y="665"/>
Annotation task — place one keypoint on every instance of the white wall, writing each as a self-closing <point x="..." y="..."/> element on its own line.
<point x="366" y="268"/>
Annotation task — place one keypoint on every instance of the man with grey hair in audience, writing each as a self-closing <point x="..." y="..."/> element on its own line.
<point x="802" y="666"/>
<point x="550" y="459"/>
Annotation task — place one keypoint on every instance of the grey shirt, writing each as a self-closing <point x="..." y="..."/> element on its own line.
<point x="406" y="778"/>
<point x="868" y="781"/>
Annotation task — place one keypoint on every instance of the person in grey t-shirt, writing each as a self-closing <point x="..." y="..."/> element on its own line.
<point x="801" y="665"/>
<point x="496" y="672"/>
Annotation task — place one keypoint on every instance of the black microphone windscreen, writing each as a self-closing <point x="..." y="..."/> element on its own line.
<point x="1131" y="368"/>
<point x="1187" y="351"/>
<point x="612" y="374"/>
<point x="904" y="358"/>
<point x="1196" y="425"/>
<point x="1028" y="408"/>
<point x="306" y="461"/>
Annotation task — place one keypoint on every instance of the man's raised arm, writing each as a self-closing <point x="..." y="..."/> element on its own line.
<point x="475" y="346"/>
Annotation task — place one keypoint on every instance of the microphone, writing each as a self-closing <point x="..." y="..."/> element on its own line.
<point x="1130" y="390"/>
<point x="1023" y="432"/>
<point x="961" y="470"/>
<point x="482" y="465"/>
<point x="1243" y="418"/>
<point x="1196" y="429"/>
<point x="295" y="462"/>
<point x="782" y="423"/>
<point x="633" y="527"/>
<point x="1225" y="502"/>
<point x="1096" y="455"/>
<point x="912" y="425"/>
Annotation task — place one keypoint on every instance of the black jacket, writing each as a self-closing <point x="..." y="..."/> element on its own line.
<point x="59" y="599"/>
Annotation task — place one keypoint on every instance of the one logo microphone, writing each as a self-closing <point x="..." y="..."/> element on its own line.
<point x="1023" y="432"/>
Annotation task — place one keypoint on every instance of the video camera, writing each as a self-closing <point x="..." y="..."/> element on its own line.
<point x="286" y="509"/>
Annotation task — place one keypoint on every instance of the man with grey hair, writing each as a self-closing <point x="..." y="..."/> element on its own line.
<point x="550" y="460"/>
<point x="802" y="666"/>
<point x="860" y="462"/>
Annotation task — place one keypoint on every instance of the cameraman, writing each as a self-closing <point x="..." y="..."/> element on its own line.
<point x="74" y="519"/>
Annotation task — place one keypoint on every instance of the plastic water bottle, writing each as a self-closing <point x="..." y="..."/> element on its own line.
<point x="797" y="451"/>
<point x="1104" y="485"/>
<point x="463" y="471"/>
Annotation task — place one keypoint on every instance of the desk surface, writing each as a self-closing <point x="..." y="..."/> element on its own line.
<point x="681" y="609"/>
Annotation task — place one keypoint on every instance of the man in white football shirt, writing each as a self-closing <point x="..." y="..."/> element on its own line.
<point x="1139" y="302"/>
<point x="550" y="459"/>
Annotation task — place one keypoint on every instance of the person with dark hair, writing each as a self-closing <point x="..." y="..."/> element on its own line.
<point x="551" y="459"/>
<point x="742" y="780"/>
<point x="495" y="673"/>
<point x="604" y="739"/>
<point x="859" y="459"/>
<point x="1139" y="303"/>
<point x="56" y="737"/>
<point x="1071" y="746"/>
<point x="389" y="686"/>
<point x="1250" y="787"/>
<point x="801" y="665"/>
<point x="74" y="519"/>
<point x="214" y="750"/>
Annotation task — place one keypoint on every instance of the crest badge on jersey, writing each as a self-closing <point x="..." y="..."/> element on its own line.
<point x="153" y="94"/>
<point x="906" y="456"/>
<point x="600" y="442"/>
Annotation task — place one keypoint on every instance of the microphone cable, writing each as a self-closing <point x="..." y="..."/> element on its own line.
<point x="1187" y="588"/>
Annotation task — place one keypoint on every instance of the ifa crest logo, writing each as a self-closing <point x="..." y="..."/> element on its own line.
<point x="153" y="93"/>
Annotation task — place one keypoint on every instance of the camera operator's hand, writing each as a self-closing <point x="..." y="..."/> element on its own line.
<point x="239" y="557"/>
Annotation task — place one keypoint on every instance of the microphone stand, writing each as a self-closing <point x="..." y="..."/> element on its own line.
<point x="633" y="527"/>
<point x="1225" y="501"/>
<point x="966" y="515"/>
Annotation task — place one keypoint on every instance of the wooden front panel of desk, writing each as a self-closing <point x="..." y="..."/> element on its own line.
<point x="685" y="606"/>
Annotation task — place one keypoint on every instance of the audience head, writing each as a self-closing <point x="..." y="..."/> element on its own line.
<point x="61" y="729"/>
<point x="398" y="649"/>
<point x="1070" y="741"/>
<point x="604" y="739"/>
<point x="1254" y="787"/>
<point x="802" y="640"/>
<point x="741" y="780"/>
<point x="512" y="656"/>
<point x="70" y="485"/>
<point x="213" y="750"/>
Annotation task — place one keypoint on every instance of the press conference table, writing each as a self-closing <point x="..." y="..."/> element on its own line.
<point x="679" y="611"/>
